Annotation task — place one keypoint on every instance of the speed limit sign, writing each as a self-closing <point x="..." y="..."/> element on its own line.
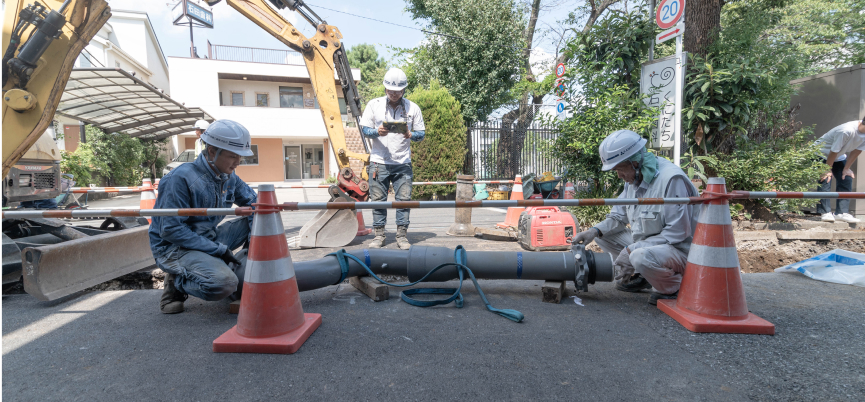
<point x="669" y="13"/>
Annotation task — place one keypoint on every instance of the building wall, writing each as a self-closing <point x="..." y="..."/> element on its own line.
<point x="828" y="100"/>
<point x="131" y="36"/>
<point x="270" y="162"/>
<point x="71" y="137"/>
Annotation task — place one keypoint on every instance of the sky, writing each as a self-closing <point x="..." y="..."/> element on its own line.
<point x="232" y="28"/>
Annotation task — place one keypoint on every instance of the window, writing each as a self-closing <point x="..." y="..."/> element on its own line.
<point x="84" y="61"/>
<point x="291" y="97"/>
<point x="250" y="160"/>
<point x="220" y="99"/>
<point x="261" y="100"/>
<point x="342" y="106"/>
<point x="237" y="99"/>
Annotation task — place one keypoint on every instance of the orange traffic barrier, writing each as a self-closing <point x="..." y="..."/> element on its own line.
<point x="148" y="196"/>
<point x="569" y="190"/>
<point x="362" y="230"/>
<point x="513" y="216"/>
<point x="711" y="298"/>
<point x="271" y="318"/>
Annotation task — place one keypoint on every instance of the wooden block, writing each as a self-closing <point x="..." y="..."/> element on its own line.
<point x="376" y="290"/>
<point x="234" y="307"/>
<point x="553" y="291"/>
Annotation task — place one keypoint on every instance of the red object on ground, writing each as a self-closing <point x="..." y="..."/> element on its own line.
<point x="546" y="228"/>
<point x="512" y="219"/>
<point x="711" y="298"/>
<point x="271" y="318"/>
<point x="362" y="230"/>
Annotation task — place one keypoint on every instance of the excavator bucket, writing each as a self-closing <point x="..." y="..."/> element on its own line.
<point x="329" y="228"/>
<point x="57" y="270"/>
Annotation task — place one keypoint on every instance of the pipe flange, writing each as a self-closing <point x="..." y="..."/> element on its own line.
<point x="581" y="276"/>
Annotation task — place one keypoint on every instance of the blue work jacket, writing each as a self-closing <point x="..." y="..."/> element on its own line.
<point x="195" y="185"/>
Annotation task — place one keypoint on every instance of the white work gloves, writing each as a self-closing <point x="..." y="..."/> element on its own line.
<point x="623" y="262"/>
<point x="585" y="237"/>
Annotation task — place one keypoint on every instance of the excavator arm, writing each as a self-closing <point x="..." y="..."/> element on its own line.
<point x="41" y="40"/>
<point x="324" y="55"/>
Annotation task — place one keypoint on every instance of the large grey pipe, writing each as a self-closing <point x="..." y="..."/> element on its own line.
<point x="578" y="265"/>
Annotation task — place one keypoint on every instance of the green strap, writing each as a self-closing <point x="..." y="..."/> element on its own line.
<point x="460" y="257"/>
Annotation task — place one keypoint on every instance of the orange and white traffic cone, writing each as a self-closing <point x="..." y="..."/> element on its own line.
<point x="271" y="318"/>
<point x="148" y="196"/>
<point x="569" y="191"/>
<point x="711" y="298"/>
<point x="512" y="219"/>
<point x="362" y="230"/>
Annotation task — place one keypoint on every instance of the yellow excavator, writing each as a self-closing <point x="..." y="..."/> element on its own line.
<point x="40" y="43"/>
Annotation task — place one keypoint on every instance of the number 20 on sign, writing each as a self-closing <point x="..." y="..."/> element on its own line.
<point x="669" y="13"/>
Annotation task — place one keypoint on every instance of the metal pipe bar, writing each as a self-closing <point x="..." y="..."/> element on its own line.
<point x="794" y="195"/>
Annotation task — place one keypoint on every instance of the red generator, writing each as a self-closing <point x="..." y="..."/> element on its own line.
<point x="546" y="229"/>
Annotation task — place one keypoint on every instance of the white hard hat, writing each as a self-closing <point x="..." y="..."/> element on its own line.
<point x="395" y="80"/>
<point x="201" y="125"/>
<point x="619" y="146"/>
<point x="228" y="135"/>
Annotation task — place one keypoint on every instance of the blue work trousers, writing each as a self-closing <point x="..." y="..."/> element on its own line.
<point x="207" y="277"/>
<point x="381" y="177"/>
<point x="842" y="206"/>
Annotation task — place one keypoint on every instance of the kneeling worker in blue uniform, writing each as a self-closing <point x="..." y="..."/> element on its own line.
<point x="194" y="252"/>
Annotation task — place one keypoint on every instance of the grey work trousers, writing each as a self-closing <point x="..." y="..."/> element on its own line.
<point x="661" y="265"/>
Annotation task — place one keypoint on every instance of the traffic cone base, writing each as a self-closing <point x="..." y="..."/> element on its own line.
<point x="232" y="342"/>
<point x="362" y="230"/>
<point x="512" y="219"/>
<point x="694" y="322"/>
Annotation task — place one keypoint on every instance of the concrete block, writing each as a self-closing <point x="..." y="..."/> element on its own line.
<point x="234" y="307"/>
<point x="553" y="291"/>
<point x="805" y="235"/>
<point x="745" y="235"/>
<point x="376" y="290"/>
<point x="848" y="235"/>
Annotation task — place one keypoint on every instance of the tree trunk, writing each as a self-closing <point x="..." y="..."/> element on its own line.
<point x="703" y="20"/>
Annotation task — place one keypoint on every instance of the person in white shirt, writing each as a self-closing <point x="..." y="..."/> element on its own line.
<point x="651" y="241"/>
<point x="200" y="126"/>
<point x="839" y="148"/>
<point x="390" y="157"/>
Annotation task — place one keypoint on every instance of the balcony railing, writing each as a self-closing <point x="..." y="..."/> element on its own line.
<point x="253" y="54"/>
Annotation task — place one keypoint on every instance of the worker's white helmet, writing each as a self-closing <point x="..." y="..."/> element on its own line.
<point x="230" y="136"/>
<point x="619" y="146"/>
<point x="201" y="125"/>
<point x="395" y="80"/>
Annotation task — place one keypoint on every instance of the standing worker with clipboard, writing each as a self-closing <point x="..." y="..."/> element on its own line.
<point x="391" y="123"/>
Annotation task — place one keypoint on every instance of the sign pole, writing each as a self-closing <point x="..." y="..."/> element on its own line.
<point x="677" y="140"/>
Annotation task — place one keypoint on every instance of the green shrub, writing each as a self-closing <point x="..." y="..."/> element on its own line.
<point x="441" y="155"/>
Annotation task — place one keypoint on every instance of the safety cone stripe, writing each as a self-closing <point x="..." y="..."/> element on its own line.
<point x="268" y="271"/>
<point x="270" y="248"/>
<point x="518" y="187"/>
<point x="267" y="225"/>
<point x="715" y="215"/>
<point x="715" y="257"/>
<point x="714" y="236"/>
<point x="722" y="296"/>
<point x="148" y="195"/>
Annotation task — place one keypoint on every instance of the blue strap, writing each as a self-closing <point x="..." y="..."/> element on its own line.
<point x="460" y="257"/>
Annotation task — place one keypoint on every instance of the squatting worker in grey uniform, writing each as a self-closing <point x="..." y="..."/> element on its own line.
<point x="196" y="251"/>
<point x="390" y="157"/>
<point x="653" y="252"/>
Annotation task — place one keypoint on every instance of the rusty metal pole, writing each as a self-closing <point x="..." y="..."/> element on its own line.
<point x="462" y="225"/>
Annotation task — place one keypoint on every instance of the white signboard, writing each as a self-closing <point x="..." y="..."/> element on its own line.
<point x="560" y="110"/>
<point x="656" y="81"/>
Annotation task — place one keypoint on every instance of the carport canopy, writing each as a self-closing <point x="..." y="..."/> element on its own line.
<point x="118" y="102"/>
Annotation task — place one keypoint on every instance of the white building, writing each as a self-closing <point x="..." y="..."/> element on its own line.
<point x="270" y="93"/>
<point x="126" y="41"/>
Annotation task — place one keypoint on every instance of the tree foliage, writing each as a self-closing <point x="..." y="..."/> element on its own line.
<point x="478" y="71"/>
<point x="113" y="159"/>
<point x="372" y="68"/>
<point x="441" y="155"/>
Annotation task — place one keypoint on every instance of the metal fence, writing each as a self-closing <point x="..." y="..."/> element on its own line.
<point x="253" y="54"/>
<point x="502" y="149"/>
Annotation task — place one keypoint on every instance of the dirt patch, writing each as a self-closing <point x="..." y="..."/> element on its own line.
<point x="765" y="255"/>
<point x="144" y="279"/>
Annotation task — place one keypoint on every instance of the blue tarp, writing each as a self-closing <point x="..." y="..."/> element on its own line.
<point x="836" y="266"/>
